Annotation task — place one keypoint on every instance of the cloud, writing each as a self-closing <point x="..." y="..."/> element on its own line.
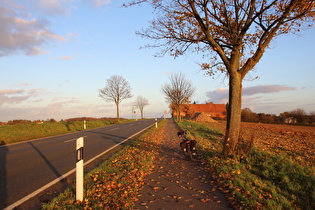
<point x="10" y="96"/>
<point x="63" y="108"/>
<point x="21" y="84"/>
<point x="221" y="95"/>
<point x="22" y="32"/>
<point x="265" y="89"/>
<point x="66" y="57"/>
<point x="53" y="7"/>
<point x="99" y="3"/>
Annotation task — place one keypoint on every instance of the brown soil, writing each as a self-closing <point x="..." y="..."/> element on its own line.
<point x="178" y="183"/>
<point x="296" y="141"/>
<point x="203" y="117"/>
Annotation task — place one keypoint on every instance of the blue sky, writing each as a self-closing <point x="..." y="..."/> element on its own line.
<point x="62" y="52"/>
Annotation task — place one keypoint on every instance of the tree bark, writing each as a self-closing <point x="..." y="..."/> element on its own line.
<point x="234" y="115"/>
<point x="178" y="112"/>
<point x="141" y="112"/>
<point x="117" y="108"/>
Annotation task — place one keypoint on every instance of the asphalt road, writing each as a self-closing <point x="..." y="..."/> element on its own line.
<point x="26" y="168"/>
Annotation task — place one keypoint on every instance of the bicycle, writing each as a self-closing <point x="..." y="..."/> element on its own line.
<point x="189" y="146"/>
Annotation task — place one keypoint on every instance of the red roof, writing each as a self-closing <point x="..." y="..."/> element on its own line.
<point x="209" y="107"/>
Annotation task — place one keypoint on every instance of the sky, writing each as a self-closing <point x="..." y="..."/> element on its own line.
<point x="55" y="55"/>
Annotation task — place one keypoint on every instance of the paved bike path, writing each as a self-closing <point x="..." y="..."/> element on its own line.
<point x="176" y="182"/>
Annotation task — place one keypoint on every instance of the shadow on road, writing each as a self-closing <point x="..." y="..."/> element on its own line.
<point x="3" y="177"/>
<point x="116" y="139"/>
<point x="51" y="166"/>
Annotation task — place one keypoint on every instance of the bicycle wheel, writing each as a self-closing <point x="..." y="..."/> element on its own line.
<point x="190" y="155"/>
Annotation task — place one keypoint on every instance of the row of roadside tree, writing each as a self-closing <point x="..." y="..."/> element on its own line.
<point x="296" y="116"/>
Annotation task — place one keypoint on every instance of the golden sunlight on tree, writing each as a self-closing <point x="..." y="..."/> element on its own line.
<point x="178" y="92"/>
<point x="233" y="35"/>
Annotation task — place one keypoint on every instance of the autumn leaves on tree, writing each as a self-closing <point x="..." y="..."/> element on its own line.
<point x="232" y="34"/>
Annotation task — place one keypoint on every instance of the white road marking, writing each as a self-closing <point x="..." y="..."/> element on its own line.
<point x="70" y="140"/>
<point x="19" y="202"/>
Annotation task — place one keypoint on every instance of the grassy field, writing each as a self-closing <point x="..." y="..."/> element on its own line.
<point x="23" y="132"/>
<point x="262" y="177"/>
<point x="114" y="185"/>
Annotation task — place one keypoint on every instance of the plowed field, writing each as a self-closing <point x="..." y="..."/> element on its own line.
<point x="297" y="141"/>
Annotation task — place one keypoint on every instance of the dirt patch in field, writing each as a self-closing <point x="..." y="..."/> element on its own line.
<point x="203" y="117"/>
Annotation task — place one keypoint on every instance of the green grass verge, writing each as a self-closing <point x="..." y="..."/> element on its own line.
<point x="23" y="132"/>
<point x="115" y="183"/>
<point x="261" y="180"/>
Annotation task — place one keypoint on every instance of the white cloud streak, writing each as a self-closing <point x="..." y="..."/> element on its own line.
<point x="265" y="89"/>
<point x="221" y="95"/>
<point x="66" y="57"/>
<point x="100" y="3"/>
<point x="11" y="96"/>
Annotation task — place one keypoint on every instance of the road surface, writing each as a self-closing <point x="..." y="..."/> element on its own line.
<point x="26" y="168"/>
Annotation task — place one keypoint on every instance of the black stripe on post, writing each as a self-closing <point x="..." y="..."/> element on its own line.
<point x="79" y="154"/>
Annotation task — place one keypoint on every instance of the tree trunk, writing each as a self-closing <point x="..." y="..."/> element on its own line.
<point x="233" y="124"/>
<point x="178" y="112"/>
<point x="117" y="108"/>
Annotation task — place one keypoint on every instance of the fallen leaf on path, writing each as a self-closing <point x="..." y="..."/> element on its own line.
<point x="205" y="200"/>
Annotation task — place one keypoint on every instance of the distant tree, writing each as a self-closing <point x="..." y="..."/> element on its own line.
<point x="141" y="102"/>
<point x="117" y="89"/>
<point x="178" y="91"/>
<point x="300" y="116"/>
<point x="189" y="110"/>
<point x="173" y="109"/>
<point x="283" y="116"/>
<point x="249" y="116"/>
<point x="21" y="121"/>
<point x="232" y="34"/>
<point x="312" y="118"/>
<point x="267" y="118"/>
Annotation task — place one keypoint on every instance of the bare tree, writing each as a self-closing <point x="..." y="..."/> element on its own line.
<point x="300" y="115"/>
<point x="312" y="117"/>
<point x="178" y="91"/>
<point x="233" y="34"/>
<point x="141" y="102"/>
<point x="117" y="89"/>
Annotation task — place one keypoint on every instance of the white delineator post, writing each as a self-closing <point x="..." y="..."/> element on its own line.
<point x="84" y="124"/>
<point x="79" y="169"/>
<point x="155" y="123"/>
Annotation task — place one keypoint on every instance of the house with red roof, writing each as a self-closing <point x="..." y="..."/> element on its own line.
<point x="210" y="109"/>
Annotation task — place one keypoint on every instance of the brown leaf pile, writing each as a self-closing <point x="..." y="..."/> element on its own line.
<point x="114" y="185"/>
